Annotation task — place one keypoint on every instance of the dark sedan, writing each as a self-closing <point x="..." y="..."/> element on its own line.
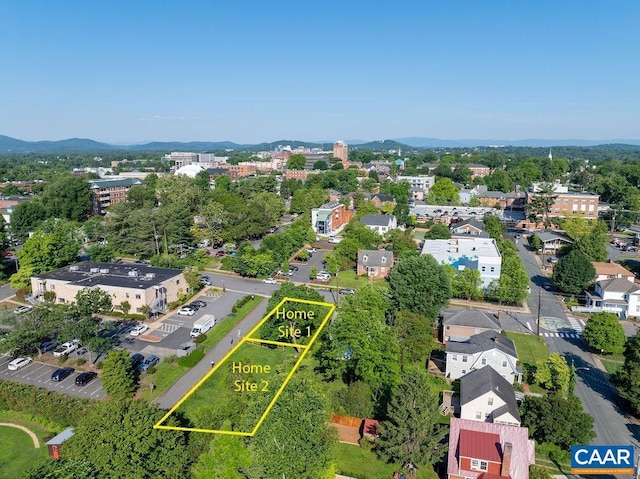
<point x="85" y="378"/>
<point x="60" y="374"/>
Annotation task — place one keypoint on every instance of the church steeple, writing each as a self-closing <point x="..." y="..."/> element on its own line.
<point x="550" y="155"/>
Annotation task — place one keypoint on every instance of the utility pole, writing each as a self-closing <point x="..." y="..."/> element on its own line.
<point x="613" y="221"/>
<point x="539" y="298"/>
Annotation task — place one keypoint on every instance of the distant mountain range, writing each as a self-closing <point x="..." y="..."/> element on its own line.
<point x="82" y="145"/>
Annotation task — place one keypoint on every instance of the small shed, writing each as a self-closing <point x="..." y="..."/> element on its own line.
<point x="53" y="444"/>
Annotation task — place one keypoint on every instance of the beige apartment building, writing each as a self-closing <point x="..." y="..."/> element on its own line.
<point x="138" y="284"/>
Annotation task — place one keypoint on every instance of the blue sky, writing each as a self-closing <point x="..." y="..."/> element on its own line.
<point x="252" y="71"/>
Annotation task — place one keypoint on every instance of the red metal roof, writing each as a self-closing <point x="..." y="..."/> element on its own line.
<point x="480" y="445"/>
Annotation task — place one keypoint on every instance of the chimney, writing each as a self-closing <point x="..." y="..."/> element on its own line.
<point x="506" y="459"/>
<point x="500" y="317"/>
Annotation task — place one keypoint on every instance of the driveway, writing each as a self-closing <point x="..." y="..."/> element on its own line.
<point x="39" y="374"/>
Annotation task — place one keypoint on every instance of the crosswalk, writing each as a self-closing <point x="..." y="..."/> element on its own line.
<point x="576" y="324"/>
<point x="575" y="335"/>
<point x="168" y="328"/>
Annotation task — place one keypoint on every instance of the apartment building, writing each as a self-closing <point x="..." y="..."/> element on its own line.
<point x="110" y="192"/>
<point x="330" y="218"/>
<point x="341" y="150"/>
<point x="567" y="202"/>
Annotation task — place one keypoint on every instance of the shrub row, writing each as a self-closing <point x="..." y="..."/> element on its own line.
<point x="61" y="410"/>
<point x="240" y="303"/>
<point x="190" y="360"/>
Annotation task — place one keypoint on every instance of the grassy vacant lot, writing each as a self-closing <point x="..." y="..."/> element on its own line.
<point x="168" y="372"/>
<point x="611" y="362"/>
<point x="530" y="348"/>
<point x="358" y="462"/>
<point x="17" y="453"/>
<point x="349" y="279"/>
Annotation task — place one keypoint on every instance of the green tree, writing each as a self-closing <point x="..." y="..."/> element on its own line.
<point x="62" y="469"/>
<point x="443" y="192"/>
<point x="93" y="301"/>
<point x="438" y="231"/>
<point x="415" y="335"/>
<point x="627" y="378"/>
<point x="513" y="285"/>
<point x="593" y="245"/>
<point x="320" y="165"/>
<point x="202" y="180"/>
<point x="493" y="226"/>
<point x="499" y="180"/>
<point x="420" y="285"/>
<point x="467" y="284"/>
<point x="125" y="307"/>
<point x="554" y="374"/>
<point x="304" y="405"/>
<point x="359" y="345"/>
<point x="227" y="457"/>
<point x="539" y="207"/>
<point x="412" y="431"/>
<point x="296" y="162"/>
<point x="354" y="399"/>
<point x="576" y="227"/>
<point x="100" y="254"/>
<point x="535" y="242"/>
<point x="118" y="440"/>
<point x="118" y="377"/>
<point x="402" y="242"/>
<point x="557" y="420"/>
<point x="68" y="197"/>
<point x="604" y="333"/>
<point x="573" y="273"/>
<point x="54" y="244"/>
<point x="192" y="277"/>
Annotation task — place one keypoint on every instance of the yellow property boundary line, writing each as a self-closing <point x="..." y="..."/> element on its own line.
<point x="305" y="348"/>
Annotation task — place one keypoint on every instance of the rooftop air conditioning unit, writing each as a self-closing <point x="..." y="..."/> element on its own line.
<point x="94" y="270"/>
<point x="133" y="273"/>
<point x="74" y="268"/>
<point x="104" y="271"/>
<point x="150" y="275"/>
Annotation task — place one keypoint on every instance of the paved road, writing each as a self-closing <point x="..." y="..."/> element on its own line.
<point x="593" y="388"/>
<point x="172" y="395"/>
<point x="39" y="374"/>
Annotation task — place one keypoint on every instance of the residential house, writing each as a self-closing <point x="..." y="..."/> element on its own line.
<point x="374" y="263"/>
<point x="478" y="170"/>
<point x="469" y="227"/>
<point x="484" y="349"/>
<point x="460" y="324"/>
<point x="552" y="241"/>
<point x="474" y="252"/>
<point x="330" y="218"/>
<point x="612" y="271"/>
<point x="466" y="194"/>
<point x="487" y="396"/>
<point x="140" y="285"/>
<point x="485" y="450"/>
<point x="381" y="198"/>
<point x="381" y="224"/>
<point x="619" y="296"/>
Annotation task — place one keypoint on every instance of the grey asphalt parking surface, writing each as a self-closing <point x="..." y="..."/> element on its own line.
<point x="39" y="374"/>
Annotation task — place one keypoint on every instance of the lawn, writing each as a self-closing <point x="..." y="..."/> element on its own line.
<point x="349" y="279"/>
<point x="169" y="372"/>
<point x="355" y="461"/>
<point x="530" y="348"/>
<point x="17" y="453"/>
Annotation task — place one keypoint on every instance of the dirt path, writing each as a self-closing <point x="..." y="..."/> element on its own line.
<point x="36" y="441"/>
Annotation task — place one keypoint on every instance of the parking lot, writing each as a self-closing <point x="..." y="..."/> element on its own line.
<point x="39" y="374"/>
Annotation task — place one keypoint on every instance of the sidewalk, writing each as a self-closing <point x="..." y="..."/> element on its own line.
<point x="183" y="385"/>
<point x="490" y="306"/>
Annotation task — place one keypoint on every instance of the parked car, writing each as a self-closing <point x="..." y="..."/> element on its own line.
<point x="19" y="363"/>
<point x="47" y="346"/>
<point x="136" y="360"/>
<point x="205" y="279"/>
<point x="185" y="311"/>
<point x="22" y="309"/>
<point x="553" y="260"/>
<point x="310" y="251"/>
<point x="85" y="378"/>
<point x="151" y="360"/>
<point x="65" y="348"/>
<point x="293" y="267"/>
<point x="138" y="330"/>
<point x="195" y="305"/>
<point x="60" y="374"/>
<point x="269" y="281"/>
<point x="348" y="291"/>
<point x="200" y="303"/>
<point x="219" y="254"/>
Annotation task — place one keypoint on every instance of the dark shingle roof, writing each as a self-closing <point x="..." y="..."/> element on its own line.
<point x="374" y="257"/>
<point x="472" y="318"/>
<point x="480" y="381"/>
<point x="484" y="341"/>
<point x="619" y="285"/>
<point x="384" y="197"/>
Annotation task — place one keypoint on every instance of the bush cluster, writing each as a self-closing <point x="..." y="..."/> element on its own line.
<point x="240" y="303"/>
<point x="59" y="409"/>
<point x="190" y="360"/>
